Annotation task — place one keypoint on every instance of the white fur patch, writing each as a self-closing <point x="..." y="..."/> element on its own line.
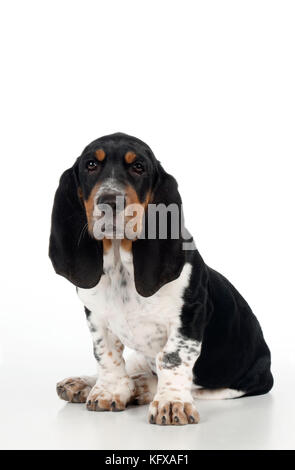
<point x="141" y="323"/>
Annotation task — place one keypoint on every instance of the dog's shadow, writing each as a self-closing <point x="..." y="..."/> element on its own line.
<point x="225" y="424"/>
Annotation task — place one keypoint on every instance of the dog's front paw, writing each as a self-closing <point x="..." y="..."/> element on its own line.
<point x="73" y="389"/>
<point x="165" y="411"/>
<point x="111" y="397"/>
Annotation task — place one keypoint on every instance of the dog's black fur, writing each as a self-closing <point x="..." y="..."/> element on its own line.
<point x="234" y="353"/>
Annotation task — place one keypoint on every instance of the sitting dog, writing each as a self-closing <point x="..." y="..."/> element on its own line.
<point x="192" y="333"/>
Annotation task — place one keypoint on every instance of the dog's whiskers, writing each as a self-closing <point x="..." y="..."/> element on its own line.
<point x="83" y="231"/>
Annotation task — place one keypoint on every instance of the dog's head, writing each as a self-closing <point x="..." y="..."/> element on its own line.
<point x="114" y="173"/>
<point x="115" y="170"/>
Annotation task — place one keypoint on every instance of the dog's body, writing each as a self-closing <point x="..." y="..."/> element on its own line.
<point x="187" y="324"/>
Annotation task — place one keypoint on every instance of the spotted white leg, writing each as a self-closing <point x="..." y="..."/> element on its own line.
<point x="173" y="402"/>
<point x="113" y="389"/>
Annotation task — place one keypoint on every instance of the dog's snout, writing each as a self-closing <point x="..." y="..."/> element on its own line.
<point x="115" y="200"/>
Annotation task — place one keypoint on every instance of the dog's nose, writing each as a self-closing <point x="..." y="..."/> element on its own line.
<point x="115" y="200"/>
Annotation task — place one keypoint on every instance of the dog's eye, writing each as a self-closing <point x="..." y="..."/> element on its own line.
<point x="91" y="165"/>
<point x="138" y="168"/>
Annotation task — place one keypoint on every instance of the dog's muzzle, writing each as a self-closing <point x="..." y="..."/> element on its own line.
<point x="114" y="199"/>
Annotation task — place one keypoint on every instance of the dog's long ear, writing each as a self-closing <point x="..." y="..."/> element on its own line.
<point x="74" y="254"/>
<point x="159" y="261"/>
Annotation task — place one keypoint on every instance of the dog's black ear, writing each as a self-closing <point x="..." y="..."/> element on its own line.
<point x="159" y="261"/>
<point x="74" y="254"/>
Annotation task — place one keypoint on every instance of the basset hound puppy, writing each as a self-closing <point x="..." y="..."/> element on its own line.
<point x="192" y="333"/>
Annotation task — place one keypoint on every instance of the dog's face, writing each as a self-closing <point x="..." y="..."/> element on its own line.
<point x="112" y="167"/>
<point x="117" y="171"/>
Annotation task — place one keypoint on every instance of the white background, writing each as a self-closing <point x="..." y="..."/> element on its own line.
<point x="209" y="85"/>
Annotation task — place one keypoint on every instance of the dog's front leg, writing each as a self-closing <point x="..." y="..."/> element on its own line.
<point x="173" y="402"/>
<point x="113" y="388"/>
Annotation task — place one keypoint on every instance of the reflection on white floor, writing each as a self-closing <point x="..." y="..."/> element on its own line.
<point x="32" y="417"/>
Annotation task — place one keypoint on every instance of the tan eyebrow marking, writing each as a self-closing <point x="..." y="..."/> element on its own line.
<point x="130" y="157"/>
<point x="100" y="155"/>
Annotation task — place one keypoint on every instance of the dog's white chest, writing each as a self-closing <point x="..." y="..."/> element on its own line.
<point x="140" y="323"/>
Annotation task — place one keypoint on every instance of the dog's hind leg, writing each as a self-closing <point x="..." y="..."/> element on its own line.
<point x="144" y="379"/>
<point x="75" y="389"/>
